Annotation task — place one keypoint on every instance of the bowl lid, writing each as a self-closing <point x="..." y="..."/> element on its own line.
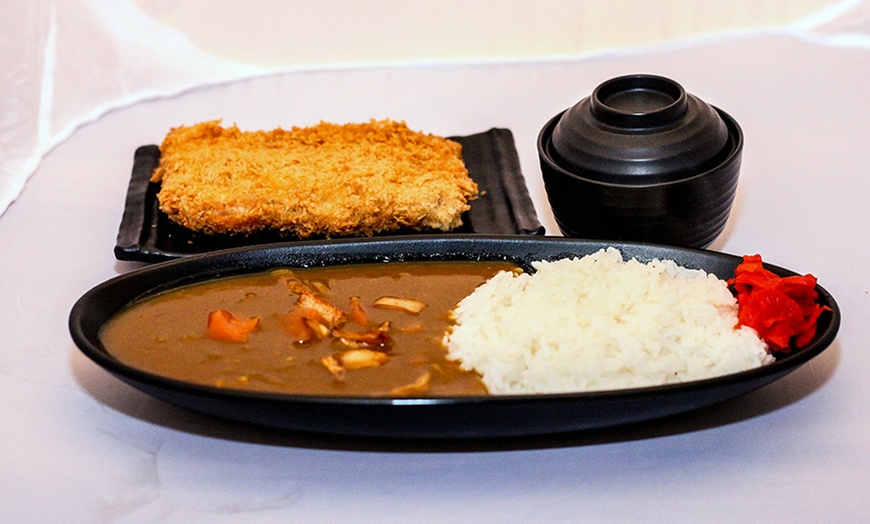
<point x="639" y="129"/>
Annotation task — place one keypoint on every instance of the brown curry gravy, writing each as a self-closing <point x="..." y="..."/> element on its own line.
<point x="165" y="334"/>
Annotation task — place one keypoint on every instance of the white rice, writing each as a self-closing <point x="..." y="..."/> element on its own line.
<point x="597" y="323"/>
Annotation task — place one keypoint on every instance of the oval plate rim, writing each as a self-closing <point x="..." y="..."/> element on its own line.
<point x="439" y="417"/>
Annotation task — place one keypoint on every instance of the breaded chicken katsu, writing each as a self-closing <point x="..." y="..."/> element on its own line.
<point x="323" y="180"/>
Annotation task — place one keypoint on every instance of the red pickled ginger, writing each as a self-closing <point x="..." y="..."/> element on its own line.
<point x="782" y="310"/>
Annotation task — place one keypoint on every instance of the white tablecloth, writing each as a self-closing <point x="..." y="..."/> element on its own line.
<point x="77" y="445"/>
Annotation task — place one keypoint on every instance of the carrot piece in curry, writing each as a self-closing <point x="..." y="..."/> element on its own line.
<point x="223" y="325"/>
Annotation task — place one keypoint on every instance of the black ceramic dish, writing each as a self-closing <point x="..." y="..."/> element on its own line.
<point x="504" y="208"/>
<point x="641" y="160"/>
<point x="456" y="417"/>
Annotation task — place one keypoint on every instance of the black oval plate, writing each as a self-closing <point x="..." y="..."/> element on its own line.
<point x="453" y="417"/>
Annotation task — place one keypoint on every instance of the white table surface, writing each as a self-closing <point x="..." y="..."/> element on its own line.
<point x="77" y="445"/>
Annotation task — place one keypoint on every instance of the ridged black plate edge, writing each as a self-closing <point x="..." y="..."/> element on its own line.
<point x="492" y="159"/>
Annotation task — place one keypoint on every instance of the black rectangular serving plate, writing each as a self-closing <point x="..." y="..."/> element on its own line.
<point x="503" y="208"/>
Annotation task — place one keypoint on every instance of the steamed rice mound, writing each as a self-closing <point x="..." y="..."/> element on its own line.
<point x="599" y="322"/>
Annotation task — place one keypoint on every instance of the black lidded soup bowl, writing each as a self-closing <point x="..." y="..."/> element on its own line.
<point x="641" y="160"/>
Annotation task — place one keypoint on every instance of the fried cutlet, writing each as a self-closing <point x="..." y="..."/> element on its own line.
<point x="323" y="180"/>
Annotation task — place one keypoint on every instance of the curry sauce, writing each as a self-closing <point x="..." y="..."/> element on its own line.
<point x="384" y="339"/>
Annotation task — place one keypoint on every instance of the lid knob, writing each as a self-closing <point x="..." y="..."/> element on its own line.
<point x="639" y="130"/>
<point x="639" y="102"/>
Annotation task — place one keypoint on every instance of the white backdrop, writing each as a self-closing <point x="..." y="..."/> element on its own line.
<point x="68" y="62"/>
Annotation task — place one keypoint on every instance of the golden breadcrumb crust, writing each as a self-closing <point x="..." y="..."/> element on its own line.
<point x="327" y="179"/>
